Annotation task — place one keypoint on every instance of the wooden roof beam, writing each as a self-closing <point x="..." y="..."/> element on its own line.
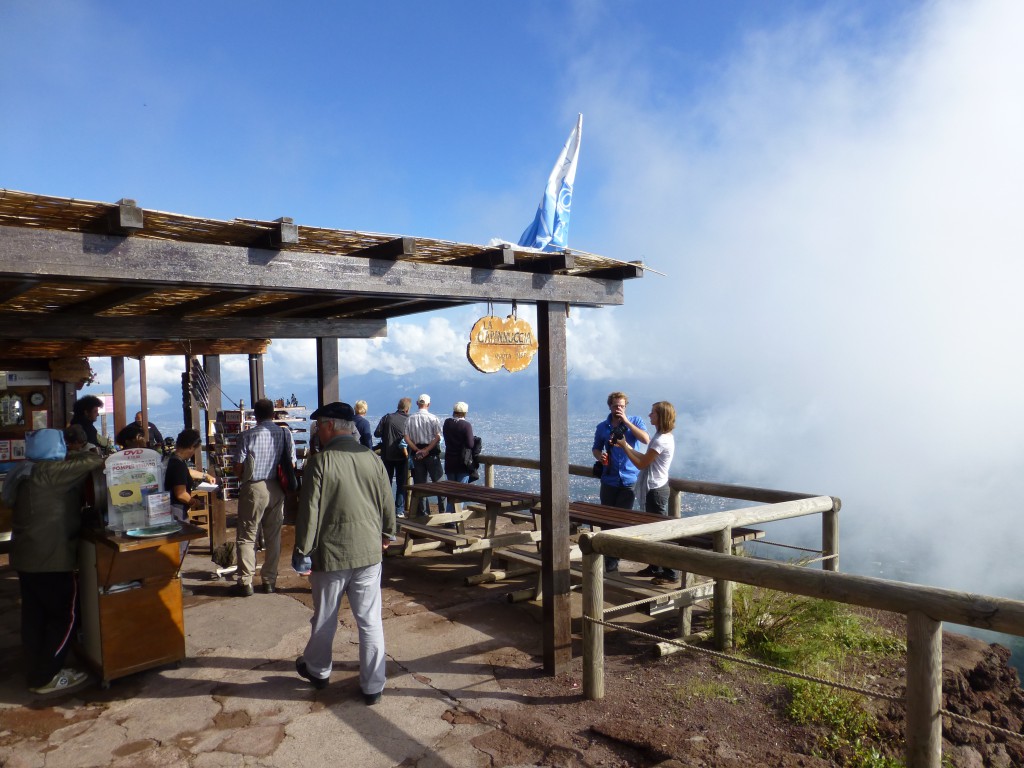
<point x="392" y="250"/>
<point x="398" y="309"/>
<point x="215" y="299"/>
<point x="48" y="326"/>
<point x="126" y="219"/>
<point x="71" y="256"/>
<point x="283" y="231"/>
<point x="552" y="264"/>
<point x="15" y="290"/>
<point x="490" y="258"/>
<point x="357" y="305"/>
<point x="304" y="305"/>
<point x="624" y="272"/>
<point x="108" y="300"/>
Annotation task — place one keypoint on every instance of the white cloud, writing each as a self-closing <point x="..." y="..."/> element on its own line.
<point x="839" y="217"/>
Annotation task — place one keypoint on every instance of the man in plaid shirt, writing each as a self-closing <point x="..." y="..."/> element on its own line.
<point x="258" y="453"/>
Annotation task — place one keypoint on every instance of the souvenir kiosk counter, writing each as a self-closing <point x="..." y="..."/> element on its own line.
<point x="130" y="587"/>
<point x="129" y="572"/>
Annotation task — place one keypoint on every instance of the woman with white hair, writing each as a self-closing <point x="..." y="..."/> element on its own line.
<point x="458" y="435"/>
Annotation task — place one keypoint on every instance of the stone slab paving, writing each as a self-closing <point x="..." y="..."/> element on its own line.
<point x="237" y="701"/>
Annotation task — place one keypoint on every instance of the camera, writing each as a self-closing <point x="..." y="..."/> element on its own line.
<point x="618" y="433"/>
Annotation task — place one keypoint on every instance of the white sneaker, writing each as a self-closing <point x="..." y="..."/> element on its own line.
<point x="67" y="679"/>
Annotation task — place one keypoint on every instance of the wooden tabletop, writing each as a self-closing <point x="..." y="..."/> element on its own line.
<point x="491" y="497"/>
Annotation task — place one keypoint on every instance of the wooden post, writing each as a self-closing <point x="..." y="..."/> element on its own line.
<point x="327" y="387"/>
<point x="723" y="595"/>
<point x="214" y="398"/>
<point x="554" y="486"/>
<point x="120" y="406"/>
<point x="192" y="412"/>
<point x="924" y="691"/>
<point x="257" y="390"/>
<point x="143" y="398"/>
<point x="675" y="503"/>
<point x="830" y="538"/>
<point x="489" y="475"/>
<point x="686" y="612"/>
<point x="593" y="634"/>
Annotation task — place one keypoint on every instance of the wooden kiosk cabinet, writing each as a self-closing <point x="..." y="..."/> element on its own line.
<point x="130" y="589"/>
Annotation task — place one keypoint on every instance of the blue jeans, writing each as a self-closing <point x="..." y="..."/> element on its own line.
<point x="399" y="472"/>
<point x="458" y="477"/>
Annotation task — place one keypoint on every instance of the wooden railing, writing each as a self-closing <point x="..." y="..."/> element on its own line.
<point x="925" y="607"/>
<point x="829" y="517"/>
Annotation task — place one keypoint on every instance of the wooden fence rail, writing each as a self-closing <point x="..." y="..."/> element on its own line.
<point x="925" y="608"/>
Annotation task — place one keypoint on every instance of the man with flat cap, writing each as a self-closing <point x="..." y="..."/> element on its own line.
<point x="345" y="522"/>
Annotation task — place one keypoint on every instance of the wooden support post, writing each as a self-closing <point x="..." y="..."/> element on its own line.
<point x="489" y="475"/>
<point x="120" y="414"/>
<point x="554" y="486"/>
<point x="723" y="595"/>
<point x="675" y="503"/>
<point x="192" y="411"/>
<point x="214" y="400"/>
<point x="830" y="538"/>
<point x="686" y="612"/>
<point x="593" y="634"/>
<point x="143" y="398"/>
<point x="924" y="691"/>
<point x="211" y="364"/>
<point x="257" y="388"/>
<point x="327" y="387"/>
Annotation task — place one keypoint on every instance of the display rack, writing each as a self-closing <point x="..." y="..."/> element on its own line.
<point x="231" y="423"/>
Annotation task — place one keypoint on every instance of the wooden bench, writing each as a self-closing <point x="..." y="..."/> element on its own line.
<point x="436" y="536"/>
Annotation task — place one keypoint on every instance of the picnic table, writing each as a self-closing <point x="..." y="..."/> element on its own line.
<point x="471" y="501"/>
<point x="598" y="517"/>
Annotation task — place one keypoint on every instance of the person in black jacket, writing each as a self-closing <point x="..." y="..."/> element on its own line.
<point x="458" y="436"/>
<point x="394" y="452"/>
<point x="84" y="413"/>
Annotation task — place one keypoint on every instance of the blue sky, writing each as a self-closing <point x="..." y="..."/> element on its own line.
<point x="833" y="190"/>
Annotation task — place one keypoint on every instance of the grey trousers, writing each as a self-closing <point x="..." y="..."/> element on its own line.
<point x="260" y="505"/>
<point x="362" y="585"/>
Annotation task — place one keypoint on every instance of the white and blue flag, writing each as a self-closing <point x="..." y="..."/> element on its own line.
<point x="550" y="228"/>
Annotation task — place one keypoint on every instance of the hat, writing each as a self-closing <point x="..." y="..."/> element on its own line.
<point x="45" y="445"/>
<point x="423" y="399"/>
<point x="341" y="411"/>
<point x="460" y="407"/>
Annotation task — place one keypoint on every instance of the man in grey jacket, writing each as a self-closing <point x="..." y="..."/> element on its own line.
<point x="346" y="520"/>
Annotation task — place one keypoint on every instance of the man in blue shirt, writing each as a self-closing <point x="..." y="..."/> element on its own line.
<point x="619" y="474"/>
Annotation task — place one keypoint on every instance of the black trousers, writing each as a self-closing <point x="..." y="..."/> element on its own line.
<point x="49" y="617"/>
<point x="429" y="466"/>
<point x="623" y="498"/>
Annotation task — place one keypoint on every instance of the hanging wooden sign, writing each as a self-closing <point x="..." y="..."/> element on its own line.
<point x="496" y="343"/>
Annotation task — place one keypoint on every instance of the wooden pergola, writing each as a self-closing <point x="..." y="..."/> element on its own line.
<point x="92" y="279"/>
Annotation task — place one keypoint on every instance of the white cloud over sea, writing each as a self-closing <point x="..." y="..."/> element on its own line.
<point x="839" y="215"/>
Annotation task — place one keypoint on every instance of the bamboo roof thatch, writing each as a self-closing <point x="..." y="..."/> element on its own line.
<point x="81" y="277"/>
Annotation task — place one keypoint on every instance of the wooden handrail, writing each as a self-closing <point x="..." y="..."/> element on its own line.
<point x="925" y="608"/>
<point x="681" y="485"/>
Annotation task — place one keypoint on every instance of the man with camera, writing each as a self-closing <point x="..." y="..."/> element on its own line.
<point x="619" y="473"/>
